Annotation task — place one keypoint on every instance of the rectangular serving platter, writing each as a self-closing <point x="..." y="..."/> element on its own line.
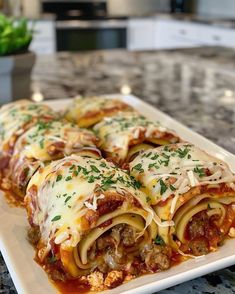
<point x="29" y="277"/>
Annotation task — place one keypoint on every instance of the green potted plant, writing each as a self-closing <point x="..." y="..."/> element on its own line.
<point x="16" y="61"/>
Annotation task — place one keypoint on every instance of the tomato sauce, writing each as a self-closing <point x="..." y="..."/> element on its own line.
<point x="75" y="286"/>
<point x="12" y="198"/>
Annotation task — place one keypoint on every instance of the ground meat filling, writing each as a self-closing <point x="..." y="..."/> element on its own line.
<point x="121" y="249"/>
<point x="156" y="257"/>
<point x="203" y="234"/>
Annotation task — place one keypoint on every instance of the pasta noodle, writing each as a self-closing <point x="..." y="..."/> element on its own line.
<point x="191" y="188"/>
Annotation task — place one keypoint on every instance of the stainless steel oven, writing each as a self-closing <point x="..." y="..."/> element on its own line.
<point x="86" y="25"/>
<point x="82" y="35"/>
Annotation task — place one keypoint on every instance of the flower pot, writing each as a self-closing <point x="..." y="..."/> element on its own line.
<point x="15" y="72"/>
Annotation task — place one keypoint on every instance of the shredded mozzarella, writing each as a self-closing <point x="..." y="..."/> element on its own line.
<point x="61" y="237"/>
<point x="173" y="203"/>
<point x="193" y="180"/>
<point x="93" y="206"/>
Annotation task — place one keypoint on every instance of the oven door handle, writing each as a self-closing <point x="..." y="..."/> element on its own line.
<point x="93" y="24"/>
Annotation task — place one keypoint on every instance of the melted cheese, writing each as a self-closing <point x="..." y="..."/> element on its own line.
<point x="93" y="109"/>
<point x="66" y="187"/>
<point x="175" y="169"/>
<point x="37" y="141"/>
<point x="14" y="117"/>
<point x="116" y="133"/>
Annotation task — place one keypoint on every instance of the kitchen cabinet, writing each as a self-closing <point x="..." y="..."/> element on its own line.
<point x="217" y="36"/>
<point x="170" y="34"/>
<point x="140" y="34"/>
<point x="44" y="36"/>
<point x="157" y="33"/>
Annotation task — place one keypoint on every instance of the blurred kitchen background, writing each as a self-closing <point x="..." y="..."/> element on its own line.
<point x="75" y="25"/>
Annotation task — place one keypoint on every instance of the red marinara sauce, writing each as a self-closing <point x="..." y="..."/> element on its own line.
<point x="75" y="286"/>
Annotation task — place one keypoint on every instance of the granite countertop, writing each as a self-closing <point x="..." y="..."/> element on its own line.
<point x="194" y="86"/>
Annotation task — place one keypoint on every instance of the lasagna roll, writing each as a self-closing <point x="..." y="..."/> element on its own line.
<point x="194" y="190"/>
<point x="47" y="141"/>
<point x="15" y="119"/>
<point x="87" y="111"/>
<point x="89" y="219"/>
<point x="123" y="136"/>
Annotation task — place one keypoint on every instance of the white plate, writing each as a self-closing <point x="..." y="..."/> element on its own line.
<point x="29" y="278"/>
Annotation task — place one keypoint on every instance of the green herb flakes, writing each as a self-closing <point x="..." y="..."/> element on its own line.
<point x="159" y="241"/>
<point x="67" y="199"/>
<point x="95" y="169"/>
<point x="163" y="187"/>
<point x="58" y="178"/>
<point x="56" y="218"/>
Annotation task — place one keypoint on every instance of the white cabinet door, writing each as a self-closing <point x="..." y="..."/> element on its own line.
<point x="140" y="34"/>
<point x="170" y="34"/>
<point x="154" y="33"/>
<point x="44" y="37"/>
<point x="217" y="36"/>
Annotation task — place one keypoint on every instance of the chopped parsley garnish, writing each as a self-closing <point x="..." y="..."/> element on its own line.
<point x="163" y="187"/>
<point x="85" y="171"/>
<point x="27" y="117"/>
<point x="165" y="162"/>
<point x="43" y="125"/>
<point x="41" y="143"/>
<point x="58" y="178"/>
<point x="154" y="157"/>
<point x="69" y="178"/>
<point x="32" y="107"/>
<point x="107" y="182"/>
<point x="153" y="165"/>
<point x="199" y="171"/>
<point x="72" y="167"/>
<point x="182" y="152"/>
<point x="165" y="156"/>
<point x="172" y="188"/>
<point x="56" y="218"/>
<point x="95" y="169"/>
<point x="138" y="167"/>
<point x="103" y="164"/>
<point x="67" y="199"/>
<point x="136" y="184"/>
<point x="75" y="173"/>
<point x="166" y="148"/>
<point x="159" y="241"/>
<point x="149" y="154"/>
<point x="91" y="179"/>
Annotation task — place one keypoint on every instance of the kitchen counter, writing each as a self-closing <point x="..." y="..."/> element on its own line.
<point x="217" y="21"/>
<point x="195" y="86"/>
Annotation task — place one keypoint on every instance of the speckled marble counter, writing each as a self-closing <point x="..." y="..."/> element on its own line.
<point x="195" y="86"/>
